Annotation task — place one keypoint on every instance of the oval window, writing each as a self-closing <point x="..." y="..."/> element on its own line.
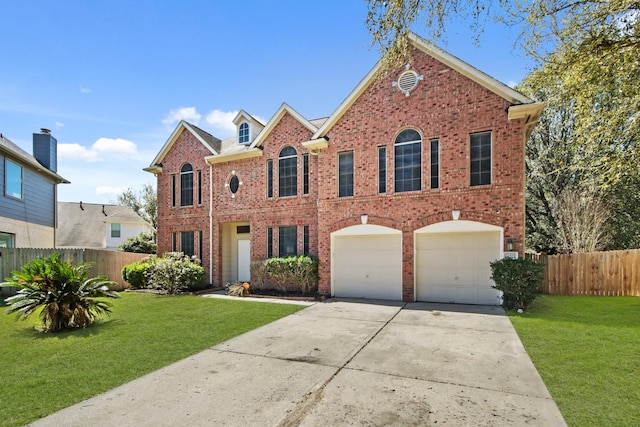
<point x="234" y="184"/>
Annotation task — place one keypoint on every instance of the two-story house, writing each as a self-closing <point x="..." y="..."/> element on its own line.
<point x="28" y="193"/>
<point x="407" y="191"/>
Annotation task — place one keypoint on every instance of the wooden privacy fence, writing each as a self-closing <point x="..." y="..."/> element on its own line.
<point x="106" y="263"/>
<point x="612" y="273"/>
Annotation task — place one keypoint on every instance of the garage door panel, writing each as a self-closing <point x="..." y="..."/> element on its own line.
<point x="454" y="267"/>
<point x="367" y="266"/>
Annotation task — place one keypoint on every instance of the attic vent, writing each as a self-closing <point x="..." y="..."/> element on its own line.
<point x="407" y="81"/>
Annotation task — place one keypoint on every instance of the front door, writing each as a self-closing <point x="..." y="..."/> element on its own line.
<point x="244" y="260"/>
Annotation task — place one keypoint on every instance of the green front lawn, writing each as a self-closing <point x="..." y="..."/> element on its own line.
<point x="42" y="373"/>
<point x="587" y="350"/>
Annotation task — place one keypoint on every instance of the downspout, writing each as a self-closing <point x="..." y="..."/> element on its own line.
<point x="210" y="224"/>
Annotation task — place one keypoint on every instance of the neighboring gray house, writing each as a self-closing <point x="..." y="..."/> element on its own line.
<point x="28" y="192"/>
<point x="97" y="226"/>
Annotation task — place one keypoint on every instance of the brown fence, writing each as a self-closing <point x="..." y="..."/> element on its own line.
<point x="106" y="263"/>
<point x="597" y="273"/>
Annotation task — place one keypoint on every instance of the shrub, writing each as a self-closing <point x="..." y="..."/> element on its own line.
<point x="174" y="273"/>
<point x="62" y="292"/>
<point x="293" y="270"/>
<point x="136" y="273"/>
<point x="259" y="274"/>
<point x="519" y="279"/>
<point x="142" y="244"/>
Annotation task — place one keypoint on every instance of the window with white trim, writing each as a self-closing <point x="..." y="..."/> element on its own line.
<point x="407" y="161"/>
<point x="480" y="158"/>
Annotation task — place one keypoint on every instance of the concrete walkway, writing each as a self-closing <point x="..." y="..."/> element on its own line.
<point x="339" y="363"/>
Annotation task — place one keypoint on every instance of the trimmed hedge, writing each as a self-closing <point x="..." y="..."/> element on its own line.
<point x="519" y="279"/>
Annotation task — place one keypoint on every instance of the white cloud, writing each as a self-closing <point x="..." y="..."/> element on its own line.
<point x="84" y="90"/>
<point x="512" y="84"/>
<point x="59" y="124"/>
<point x="109" y="191"/>
<point x="77" y="152"/>
<point x="184" y="113"/>
<point x="114" y="146"/>
<point x="222" y="121"/>
<point x="117" y="147"/>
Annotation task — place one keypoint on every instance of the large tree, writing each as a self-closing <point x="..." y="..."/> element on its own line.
<point x="144" y="203"/>
<point x="591" y="47"/>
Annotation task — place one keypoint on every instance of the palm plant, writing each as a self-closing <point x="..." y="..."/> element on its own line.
<point x="63" y="292"/>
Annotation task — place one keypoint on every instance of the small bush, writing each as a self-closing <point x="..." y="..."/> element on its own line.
<point x="141" y="244"/>
<point x="175" y="273"/>
<point x="61" y="292"/>
<point x="293" y="270"/>
<point x="136" y="273"/>
<point x="519" y="279"/>
<point x="259" y="275"/>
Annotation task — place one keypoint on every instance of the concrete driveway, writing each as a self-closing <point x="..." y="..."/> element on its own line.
<point x="342" y="362"/>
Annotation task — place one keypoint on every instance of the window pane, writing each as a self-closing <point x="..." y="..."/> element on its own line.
<point x="13" y="179"/>
<point x="305" y="240"/>
<point x="174" y="242"/>
<point x="269" y="242"/>
<point x="407" y="165"/>
<point x="7" y="240"/>
<point x="173" y="190"/>
<point x="345" y="174"/>
<point x="186" y="243"/>
<point x="243" y="133"/>
<point x="186" y="185"/>
<point x="382" y="169"/>
<point x="305" y="174"/>
<point x="287" y="172"/>
<point x="480" y="160"/>
<point x="115" y="230"/>
<point x="199" y="187"/>
<point x="435" y="163"/>
<point x="269" y="178"/>
<point x="287" y="244"/>
<point x="200" y="244"/>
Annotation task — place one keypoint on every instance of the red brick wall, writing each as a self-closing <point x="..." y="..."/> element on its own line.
<point x="186" y="149"/>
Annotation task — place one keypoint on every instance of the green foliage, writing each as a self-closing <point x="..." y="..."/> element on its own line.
<point x="136" y="273"/>
<point x="293" y="270"/>
<point x="141" y="244"/>
<point x="520" y="280"/>
<point x="62" y="292"/>
<point x="175" y="273"/>
<point x="259" y="274"/>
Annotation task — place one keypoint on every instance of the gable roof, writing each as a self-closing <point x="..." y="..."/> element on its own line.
<point x="83" y="224"/>
<point x="275" y="119"/>
<point x="18" y="153"/>
<point x="483" y="79"/>
<point x="210" y="142"/>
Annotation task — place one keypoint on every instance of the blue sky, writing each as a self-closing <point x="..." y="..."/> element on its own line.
<point x="111" y="79"/>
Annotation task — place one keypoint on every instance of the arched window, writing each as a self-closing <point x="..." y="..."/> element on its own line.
<point x="243" y="133"/>
<point x="186" y="185"/>
<point x="407" y="161"/>
<point x="287" y="172"/>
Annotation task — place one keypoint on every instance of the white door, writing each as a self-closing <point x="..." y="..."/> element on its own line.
<point x="453" y="267"/>
<point x="367" y="266"/>
<point x="244" y="260"/>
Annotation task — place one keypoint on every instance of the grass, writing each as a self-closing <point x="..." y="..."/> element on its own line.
<point x="43" y="373"/>
<point x="587" y="350"/>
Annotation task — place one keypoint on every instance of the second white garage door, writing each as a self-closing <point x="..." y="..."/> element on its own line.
<point x="367" y="262"/>
<point x="453" y="266"/>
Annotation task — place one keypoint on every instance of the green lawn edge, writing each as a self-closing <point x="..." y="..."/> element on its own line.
<point x="43" y="373"/>
<point x="587" y="351"/>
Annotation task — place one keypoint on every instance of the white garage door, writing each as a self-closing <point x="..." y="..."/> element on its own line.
<point x="453" y="267"/>
<point x="367" y="262"/>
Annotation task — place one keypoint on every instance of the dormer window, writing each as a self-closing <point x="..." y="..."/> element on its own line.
<point x="243" y="133"/>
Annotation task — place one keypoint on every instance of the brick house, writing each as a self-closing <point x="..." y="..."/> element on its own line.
<point x="405" y="192"/>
